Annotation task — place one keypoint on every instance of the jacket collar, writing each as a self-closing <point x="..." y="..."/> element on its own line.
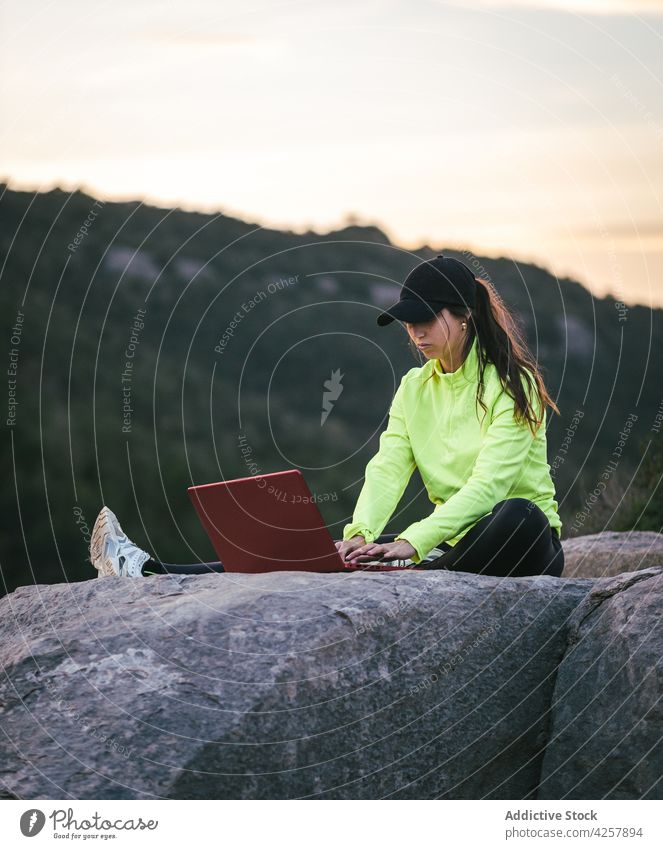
<point x="466" y="373"/>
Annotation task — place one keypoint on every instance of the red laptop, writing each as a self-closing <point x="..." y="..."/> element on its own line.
<point x="271" y="523"/>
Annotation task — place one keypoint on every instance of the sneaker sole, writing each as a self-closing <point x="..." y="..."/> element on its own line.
<point x="113" y="522"/>
<point x="102" y="527"/>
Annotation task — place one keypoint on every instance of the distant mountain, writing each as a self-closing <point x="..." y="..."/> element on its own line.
<point x="150" y="348"/>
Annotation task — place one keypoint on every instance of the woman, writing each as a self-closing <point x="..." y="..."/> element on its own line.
<point x="485" y="469"/>
<point x="472" y="419"/>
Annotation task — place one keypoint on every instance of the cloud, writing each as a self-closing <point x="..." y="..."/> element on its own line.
<point x="627" y="230"/>
<point x="205" y="39"/>
<point x="580" y="7"/>
<point x="634" y="235"/>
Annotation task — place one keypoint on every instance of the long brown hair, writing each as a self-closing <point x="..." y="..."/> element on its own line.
<point x="501" y="341"/>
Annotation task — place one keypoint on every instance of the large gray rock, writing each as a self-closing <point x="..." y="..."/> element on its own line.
<point x="610" y="553"/>
<point x="401" y="685"/>
<point x="606" y="739"/>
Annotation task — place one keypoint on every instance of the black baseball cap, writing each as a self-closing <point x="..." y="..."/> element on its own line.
<point x="431" y="286"/>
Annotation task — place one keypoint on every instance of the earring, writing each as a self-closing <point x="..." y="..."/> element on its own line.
<point x="464" y="326"/>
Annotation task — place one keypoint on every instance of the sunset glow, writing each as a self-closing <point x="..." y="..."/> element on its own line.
<point x="528" y="129"/>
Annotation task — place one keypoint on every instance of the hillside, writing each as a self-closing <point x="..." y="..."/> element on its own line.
<point x="151" y="348"/>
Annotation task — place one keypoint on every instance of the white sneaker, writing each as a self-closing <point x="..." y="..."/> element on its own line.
<point x="433" y="554"/>
<point x="111" y="551"/>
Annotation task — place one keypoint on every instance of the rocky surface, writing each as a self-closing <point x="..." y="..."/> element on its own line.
<point x="610" y="553"/>
<point x="606" y="738"/>
<point x="287" y="685"/>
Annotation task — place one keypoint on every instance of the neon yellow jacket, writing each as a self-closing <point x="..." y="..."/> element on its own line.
<point x="468" y="460"/>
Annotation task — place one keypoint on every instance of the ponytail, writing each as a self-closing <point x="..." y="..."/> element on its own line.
<point x="502" y="342"/>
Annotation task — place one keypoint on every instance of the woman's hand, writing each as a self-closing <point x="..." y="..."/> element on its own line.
<point x="344" y="547"/>
<point x="400" y="549"/>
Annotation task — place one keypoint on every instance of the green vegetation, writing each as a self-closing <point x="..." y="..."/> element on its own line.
<point x="223" y="373"/>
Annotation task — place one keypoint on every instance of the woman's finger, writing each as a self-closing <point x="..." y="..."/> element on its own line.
<point x="368" y="552"/>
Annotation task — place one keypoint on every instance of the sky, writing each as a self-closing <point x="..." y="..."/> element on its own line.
<point x="531" y="129"/>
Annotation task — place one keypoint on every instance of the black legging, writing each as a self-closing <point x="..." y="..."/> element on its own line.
<point x="514" y="540"/>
